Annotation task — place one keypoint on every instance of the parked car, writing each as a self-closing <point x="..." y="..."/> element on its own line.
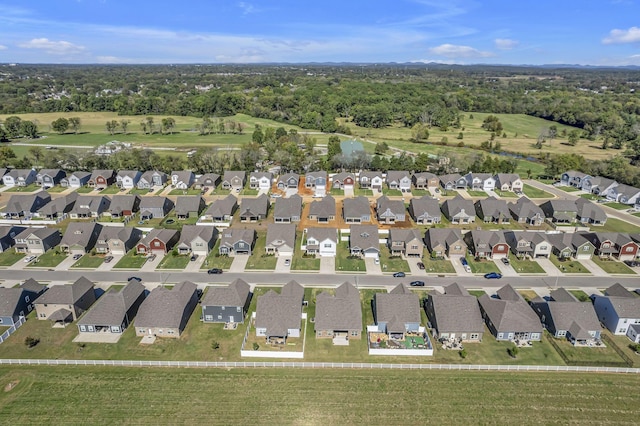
<point x="437" y="190"/>
<point x="29" y="259"/>
<point x="376" y="261"/>
<point x="416" y="283"/>
<point x="287" y="262"/>
<point x="151" y="258"/>
<point x="464" y="261"/>
<point x="505" y="260"/>
<point x="134" y="279"/>
<point x="420" y="265"/>
<point x="193" y="257"/>
<point x="77" y="256"/>
<point x="493" y="276"/>
<point x="108" y="259"/>
<point x="399" y="275"/>
<point x="214" y="271"/>
<point x="632" y="263"/>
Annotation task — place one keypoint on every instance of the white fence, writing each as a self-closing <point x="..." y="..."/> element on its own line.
<point x="12" y="329"/>
<point x="334" y="365"/>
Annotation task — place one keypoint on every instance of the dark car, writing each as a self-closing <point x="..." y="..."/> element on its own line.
<point x="505" y="260"/>
<point x="493" y="276"/>
<point x="194" y="257"/>
<point x="108" y="259"/>
<point x="134" y="279"/>
<point x="632" y="263"/>
<point x="420" y="265"/>
<point x="464" y="261"/>
<point x="399" y="275"/>
<point x="416" y="283"/>
<point x="214" y="271"/>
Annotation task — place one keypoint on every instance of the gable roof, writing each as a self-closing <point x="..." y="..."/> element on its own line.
<point x="148" y="175"/>
<point x="26" y="202"/>
<point x="493" y="207"/>
<point x="120" y="203"/>
<point x="356" y="207"/>
<point x="81" y="233"/>
<point x="283" y="232"/>
<point x="324" y="207"/>
<point x="277" y="313"/>
<point x="425" y="205"/>
<point x="102" y="173"/>
<point x="128" y="173"/>
<point x="191" y="232"/>
<point x="455" y="206"/>
<point x="341" y="311"/>
<point x="405" y="235"/>
<point x="587" y="209"/>
<point x="456" y="310"/>
<point x="222" y="206"/>
<point x="509" y="178"/>
<point x="397" y="175"/>
<point x="91" y="203"/>
<point x="42" y="233"/>
<point x="288" y="207"/>
<point x="364" y="237"/>
<point x="482" y="238"/>
<point x="322" y="234"/>
<point x="164" y="307"/>
<point x="155" y="202"/>
<point x="120" y="233"/>
<point x="59" y="205"/>
<point x="510" y="312"/>
<point x="254" y="206"/>
<point x="396" y="207"/>
<point x="232" y="235"/>
<point x="399" y="305"/>
<point x="288" y="176"/>
<point x="163" y="235"/>
<point x="207" y="176"/>
<point x="526" y="208"/>
<point x="186" y="204"/>
<point x="235" y="294"/>
<point x="68" y="294"/>
<point x="443" y="236"/>
<point x="231" y="174"/>
<point x="112" y="307"/>
<point x="184" y="176"/>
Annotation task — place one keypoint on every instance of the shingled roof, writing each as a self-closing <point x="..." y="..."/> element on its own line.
<point x="235" y="294"/>
<point x="341" y="311"/>
<point x="278" y="313"/>
<point x="165" y="307"/>
<point x="67" y="294"/>
<point x="456" y="310"/>
<point x="399" y="306"/>
<point x="113" y="306"/>
<point x="509" y="312"/>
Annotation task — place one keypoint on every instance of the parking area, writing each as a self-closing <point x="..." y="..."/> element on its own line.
<point x="151" y="265"/>
<point x="505" y="270"/>
<point x="373" y="268"/>
<point x="283" y="264"/>
<point x="239" y="263"/>
<point x="107" y="266"/>
<point x="66" y="263"/>
<point x="327" y="265"/>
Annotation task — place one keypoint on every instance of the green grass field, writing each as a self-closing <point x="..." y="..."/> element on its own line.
<point x="481" y="266"/>
<point x="214" y="260"/>
<point x="438" y="266"/>
<point x="616" y="225"/>
<point x="612" y="266"/>
<point x="259" y="259"/>
<point x="392" y="264"/>
<point x="171" y="261"/>
<point x="568" y="266"/>
<point x="344" y="263"/>
<point x="50" y="259"/>
<point x="89" y="262"/>
<point x="9" y="257"/>
<point x="130" y="261"/>
<point x="532" y="192"/>
<point x="525" y="266"/>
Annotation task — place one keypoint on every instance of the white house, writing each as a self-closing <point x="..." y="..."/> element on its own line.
<point x="260" y="180"/>
<point x="19" y="177"/>
<point x="322" y="241"/>
<point x="618" y="309"/>
<point x="128" y="179"/>
<point x="508" y="182"/>
<point x="480" y="181"/>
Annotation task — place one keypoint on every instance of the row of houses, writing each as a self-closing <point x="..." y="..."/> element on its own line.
<point x="601" y="186"/>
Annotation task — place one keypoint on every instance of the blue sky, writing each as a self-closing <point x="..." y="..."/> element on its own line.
<point x="594" y="32"/>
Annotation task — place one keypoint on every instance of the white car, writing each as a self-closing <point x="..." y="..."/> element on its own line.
<point x="376" y="261"/>
<point x="29" y="259"/>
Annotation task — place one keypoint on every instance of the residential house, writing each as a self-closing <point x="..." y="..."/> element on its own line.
<point x="526" y="211"/>
<point x="371" y="180"/>
<point x="36" y="241"/>
<point x="566" y="245"/>
<point x="528" y="244"/>
<point x="343" y="180"/>
<point x="114" y="311"/>
<point x="222" y="209"/>
<point x="487" y="244"/>
<point x="589" y="213"/>
<point x="397" y="312"/>
<point x="65" y="303"/>
<point x="128" y="179"/>
<point x="281" y="239"/>
<point x="317" y="181"/>
<point x="278" y="316"/>
<point x="117" y="240"/>
<point x="405" y="242"/>
<point x="598" y="185"/>
<point x="228" y="304"/>
<point x="324" y="210"/>
<point x="454" y="314"/>
<point x="364" y="241"/>
<point x="76" y="179"/>
<point x="509" y="317"/>
<point x="399" y="180"/>
<point x="509" y="182"/>
<point x="25" y="206"/>
<point x="565" y="316"/>
<point x="7" y="236"/>
<point x="459" y="210"/>
<point x="182" y="179"/>
<point x="260" y="180"/>
<point x="624" y="194"/>
<point x="613" y="245"/>
<point x="425" y="180"/>
<point x="287" y="210"/>
<point x="207" y="180"/>
<point x="17" y="302"/>
<point x="573" y="178"/>
<point x="152" y="179"/>
<point x="480" y="181"/>
<point x="425" y="210"/>
<point x="356" y="210"/>
<point x="3" y="171"/>
<point x="618" y="310"/>
<point x="19" y="177"/>
<point x="124" y="205"/>
<point x="155" y="207"/>
<point x="189" y="206"/>
<point x="165" y="312"/>
<point x="492" y="210"/>
<point x="390" y="211"/>
<point x="339" y="315"/>
<point x="89" y="206"/>
<point x="560" y="211"/>
<point x="235" y="241"/>
<point x="158" y="241"/>
<point x="445" y="242"/>
<point x="234" y="180"/>
<point x="453" y="181"/>
<point x="48" y="178"/>
<point x="101" y="179"/>
<point x="80" y="237"/>
<point x="288" y="181"/>
<point x="195" y="239"/>
<point x="322" y="241"/>
<point x="59" y="207"/>
<point x="254" y="209"/>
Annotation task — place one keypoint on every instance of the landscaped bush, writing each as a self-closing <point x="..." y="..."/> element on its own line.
<point x="256" y="346"/>
<point x="30" y="342"/>
<point x="513" y="351"/>
<point x="463" y="353"/>
<point x="215" y="345"/>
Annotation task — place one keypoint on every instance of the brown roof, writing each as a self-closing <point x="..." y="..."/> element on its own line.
<point x="340" y="312"/>
<point x="456" y="311"/>
<point x="510" y="312"/>
<point x="277" y="313"/>
<point x="166" y="308"/>
<point x="67" y="294"/>
<point x="400" y="303"/>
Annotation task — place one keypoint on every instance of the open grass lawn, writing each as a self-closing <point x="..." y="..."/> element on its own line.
<point x="190" y="191"/>
<point x="89" y="262"/>
<point x="9" y="257"/>
<point x="587" y="355"/>
<point x="85" y="190"/>
<point x="136" y="191"/>
<point x="569" y="188"/>
<point x="362" y="192"/>
<point x="612" y="266"/>
<point x="580" y="295"/>
<point x="130" y="261"/>
<point x="525" y="266"/>
<point x="291" y="396"/>
<point x="636" y="214"/>
<point x="618" y="206"/>
<point x="302" y="263"/>
<point x="419" y="192"/>
<point x="50" y="259"/>
<point x="110" y="190"/>
<point x="439" y="266"/>
<point x="29" y="188"/>
<point x="481" y="266"/>
<point x="56" y="189"/>
<point x="336" y="192"/>
<point x="616" y="225"/>
<point x="528" y="295"/>
<point x="591" y="197"/>
<point x="345" y="263"/>
<point x="532" y="192"/>
<point x="476" y="293"/>
<point x="568" y="266"/>
<point x="214" y="260"/>
<point x="506" y="194"/>
<point x="477" y="193"/>
<point x="392" y="192"/>
<point x="171" y="261"/>
<point x="392" y="264"/>
<point x="258" y="258"/>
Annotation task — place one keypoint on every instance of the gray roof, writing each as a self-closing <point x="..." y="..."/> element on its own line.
<point x="16" y="173"/>
<point x="164" y="307"/>
<point x="456" y="310"/>
<point x="42" y="233"/>
<point x="509" y="178"/>
<point x="279" y="234"/>
<point x="33" y="286"/>
<point x="155" y="202"/>
<point x="426" y="176"/>
<point x="370" y="174"/>
<point x="601" y="182"/>
<point x="50" y="172"/>
<point x="228" y="175"/>
<point x="400" y="305"/>
<point x="510" y="312"/>
<point x="59" y="205"/>
<point x="208" y="176"/>
<point x="103" y="173"/>
<point x="443" y="236"/>
<point x="26" y="202"/>
<point x="618" y="290"/>
<point x="185" y="176"/>
<point x="321" y="234"/>
<point x="493" y="207"/>
<point x="323" y="208"/>
<point x="397" y="175"/>
<point x="164" y="235"/>
<point x="287" y="176"/>
<point x="148" y="175"/>
<point x="455" y="206"/>
<point x="341" y="311"/>
<point x="120" y="203"/>
<point x="9" y="300"/>
<point x="405" y="235"/>
<point x="128" y="173"/>
<point x="575" y="173"/>
<point x="222" y="207"/>
<point x="254" y="206"/>
<point x="186" y="204"/>
<point x="339" y="177"/>
<point x="260" y="175"/>
<point x="364" y="237"/>
<point x="627" y="190"/>
<point x="67" y="294"/>
<point x="232" y="235"/>
<point x="120" y="233"/>
<point x="81" y="174"/>
<point x="278" y="313"/>
<point x="356" y="207"/>
<point x="113" y="306"/>
<point x="452" y="177"/>
<point x="316" y="175"/>
<point x="425" y="205"/>
<point x="485" y="240"/>
<point x="90" y="203"/>
<point x="191" y="232"/>
<point x="555" y="206"/>
<point x="566" y="310"/>
<point x="81" y="233"/>
<point x="288" y="207"/>
<point x="395" y="206"/>
<point x="235" y="294"/>
<point x="526" y="208"/>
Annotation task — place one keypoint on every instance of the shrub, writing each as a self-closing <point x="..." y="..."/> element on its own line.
<point x="634" y="347"/>
<point x="463" y="353"/>
<point x="460" y="135"/>
<point x="215" y="345"/>
<point x="256" y="346"/>
<point x="30" y="342"/>
<point x="460" y="144"/>
<point x="513" y="351"/>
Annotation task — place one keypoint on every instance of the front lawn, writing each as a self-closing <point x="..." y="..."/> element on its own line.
<point x="174" y="261"/>
<point x="189" y="191"/>
<point x="56" y="189"/>
<point x="506" y="194"/>
<point x="363" y="192"/>
<point x="85" y="190"/>
<point x="568" y="266"/>
<point x="618" y="206"/>
<point x="259" y="259"/>
<point x="110" y="190"/>
<point x="438" y="266"/>
<point x="532" y="192"/>
<point x="390" y="263"/>
<point x="29" y="188"/>
<point x="420" y="192"/>
<point x="345" y="262"/>
<point x="89" y="261"/>
<point x="473" y="193"/>
<point x="392" y="192"/>
<point x="525" y="266"/>
<point x="569" y="188"/>
<point x="136" y="191"/>
<point x="611" y="266"/>
<point x="9" y="257"/>
<point x="481" y="266"/>
<point x="304" y="263"/>
<point x="616" y="225"/>
<point x="50" y="259"/>
<point x="580" y="295"/>
<point x="591" y="197"/>
<point x="337" y="192"/>
<point x="131" y="261"/>
<point x="215" y="260"/>
<point x="476" y="293"/>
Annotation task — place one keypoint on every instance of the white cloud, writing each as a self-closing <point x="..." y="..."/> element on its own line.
<point x="247" y="8"/>
<point x="632" y="35"/>
<point x="506" y="43"/>
<point x="52" y="47"/>
<point x="3" y="47"/>
<point x="457" y="51"/>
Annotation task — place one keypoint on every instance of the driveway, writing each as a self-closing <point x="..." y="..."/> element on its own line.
<point x="280" y="264"/>
<point x="455" y="261"/>
<point x="20" y="264"/>
<point x="372" y="268"/>
<point x="239" y="263"/>
<point x="290" y="191"/>
<point x="593" y="268"/>
<point x="505" y="270"/>
<point x="110" y="265"/>
<point x="548" y="266"/>
<point x="413" y="266"/>
<point x="66" y="264"/>
<point x="195" y="265"/>
<point x="152" y="265"/>
<point x="327" y="265"/>
<point x="348" y="192"/>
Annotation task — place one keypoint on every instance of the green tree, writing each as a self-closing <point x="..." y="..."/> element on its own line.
<point x="168" y="124"/>
<point x="124" y="123"/>
<point x="258" y="136"/>
<point x="6" y="155"/>
<point x="150" y="124"/>
<point x="492" y="124"/>
<point x="419" y="132"/>
<point x="37" y="153"/>
<point x="29" y="129"/>
<point x="112" y="126"/>
<point x="13" y="126"/>
<point x="75" y="123"/>
<point x="333" y="147"/>
<point x="381" y="148"/>
<point x="573" y="136"/>
<point x="60" y="125"/>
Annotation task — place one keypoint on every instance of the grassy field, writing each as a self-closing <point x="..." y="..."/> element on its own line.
<point x="481" y="266"/>
<point x="130" y="261"/>
<point x="9" y="257"/>
<point x="89" y="262"/>
<point x="29" y="188"/>
<point x="214" y="260"/>
<point x="568" y="266"/>
<point x="616" y="225"/>
<point x="50" y="259"/>
<point x="532" y="192"/>
<point x="618" y="206"/>
<point x="580" y="295"/>
<point x="259" y="259"/>
<point x="612" y="266"/>
<point x="148" y="396"/>
<point x="171" y="261"/>
<point x="438" y="266"/>
<point x="525" y="266"/>
<point x="345" y="263"/>
<point x="392" y="264"/>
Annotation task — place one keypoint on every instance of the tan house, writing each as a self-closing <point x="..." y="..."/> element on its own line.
<point x="339" y="316"/>
<point x="65" y="303"/>
<point x="445" y="242"/>
<point x="165" y="312"/>
<point x="407" y="242"/>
